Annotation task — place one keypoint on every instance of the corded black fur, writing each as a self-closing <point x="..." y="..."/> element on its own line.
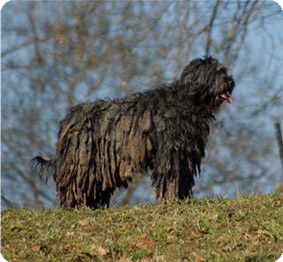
<point x="101" y="145"/>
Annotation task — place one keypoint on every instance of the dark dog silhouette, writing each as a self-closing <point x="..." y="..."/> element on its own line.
<point x="101" y="145"/>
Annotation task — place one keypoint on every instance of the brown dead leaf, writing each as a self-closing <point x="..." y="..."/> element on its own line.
<point x="124" y="259"/>
<point x="248" y="254"/>
<point x="199" y="257"/>
<point x="195" y="235"/>
<point x="38" y="248"/>
<point x="100" y="250"/>
<point x="13" y="249"/>
<point x="35" y="248"/>
<point x="83" y="222"/>
<point x="147" y="241"/>
<point x="147" y="259"/>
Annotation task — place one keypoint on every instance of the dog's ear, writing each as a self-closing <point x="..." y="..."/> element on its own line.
<point x="190" y="72"/>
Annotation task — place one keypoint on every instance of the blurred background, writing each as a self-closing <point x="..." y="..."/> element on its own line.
<point x="58" y="54"/>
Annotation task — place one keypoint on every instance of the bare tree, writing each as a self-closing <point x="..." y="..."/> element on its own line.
<point x="57" y="54"/>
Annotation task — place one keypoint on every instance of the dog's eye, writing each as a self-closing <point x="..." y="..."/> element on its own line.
<point x="222" y="70"/>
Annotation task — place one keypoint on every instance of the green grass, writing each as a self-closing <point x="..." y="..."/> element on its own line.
<point x="249" y="228"/>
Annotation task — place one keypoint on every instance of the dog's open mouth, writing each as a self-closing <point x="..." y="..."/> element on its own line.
<point x="226" y="97"/>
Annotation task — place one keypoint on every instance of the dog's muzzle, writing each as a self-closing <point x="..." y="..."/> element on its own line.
<point x="227" y="97"/>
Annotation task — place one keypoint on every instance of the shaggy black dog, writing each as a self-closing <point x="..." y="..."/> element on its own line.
<point x="101" y="145"/>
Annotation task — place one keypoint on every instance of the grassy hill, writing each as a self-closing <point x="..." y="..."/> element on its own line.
<point x="249" y="228"/>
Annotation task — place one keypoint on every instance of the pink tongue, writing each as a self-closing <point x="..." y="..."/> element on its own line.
<point x="228" y="98"/>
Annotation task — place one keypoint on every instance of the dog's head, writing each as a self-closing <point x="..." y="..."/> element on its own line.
<point x="208" y="81"/>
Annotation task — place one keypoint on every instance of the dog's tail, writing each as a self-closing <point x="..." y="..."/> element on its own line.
<point x="44" y="168"/>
